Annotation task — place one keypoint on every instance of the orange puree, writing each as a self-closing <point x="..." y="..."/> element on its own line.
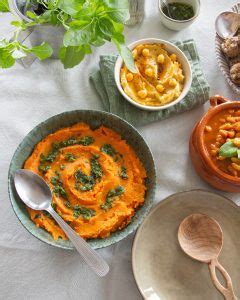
<point x="96" y="179"/>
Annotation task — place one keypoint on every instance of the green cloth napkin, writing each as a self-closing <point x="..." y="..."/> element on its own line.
<point x="115" y="103"/>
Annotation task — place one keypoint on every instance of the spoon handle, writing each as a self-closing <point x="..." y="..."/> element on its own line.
<point x="227" y="291"/>
<point x="90" y="256"/>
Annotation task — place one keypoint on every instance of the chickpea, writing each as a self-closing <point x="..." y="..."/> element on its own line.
<point x="236" y="141"/>
<point x="235" y="166"/>
<point x="226" y="126"/>
<point x="173" y="57"/>
<point x="145" y="52"/>
<point x="232" y="170"/>
<point x="160" y="59"/>
<point x="129" y="76"/>
<point x="142" y="94"/>
<point x="235" y="160"/>
<point x="134" y="53"/>
<point x="160" y="88"/>
<point x="223" y="133"/>
<point x="231" y="134"/>
<point x="221" y="157"/>
<point x="208" y="128"/>
<point x="181" y="77"/>
<point x="172" y="82"/>
<point x="214" y="152"/>
<point x="149" y="72"/>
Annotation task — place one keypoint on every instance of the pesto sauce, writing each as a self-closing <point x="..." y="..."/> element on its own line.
<point x="86" y="213"/>
<point x="85" y="182"/>
<point x="111" y="197"/>
<point x="55" y="149"/>
<point x="178" y="11"/>
<point x="58" y="188"/>
<point x="123" y="173"/>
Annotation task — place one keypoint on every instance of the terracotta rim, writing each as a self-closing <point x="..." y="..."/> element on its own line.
<point x="203" y="150"/>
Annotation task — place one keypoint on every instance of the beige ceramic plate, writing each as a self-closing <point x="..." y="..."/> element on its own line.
<point x="162" y="271"/>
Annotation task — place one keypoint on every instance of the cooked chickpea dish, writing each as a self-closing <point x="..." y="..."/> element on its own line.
<point x="222" y="139"/>
<point x="159" y="78"/>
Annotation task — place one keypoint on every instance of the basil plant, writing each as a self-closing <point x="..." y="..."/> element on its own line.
<point x="87" y="24"/>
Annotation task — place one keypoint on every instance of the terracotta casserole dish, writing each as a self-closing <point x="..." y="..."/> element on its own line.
<point x="220" y="125"/>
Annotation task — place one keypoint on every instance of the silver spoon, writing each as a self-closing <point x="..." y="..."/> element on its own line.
<point x="36" y="194"/>
<point x="227" y="24"/>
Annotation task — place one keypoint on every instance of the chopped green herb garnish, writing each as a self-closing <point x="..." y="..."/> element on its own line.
<point x="111" y="197"/>
<point x="58" y="188"/>
<point x="86" y="213"/>
<point x="86" y="140"/>
<point x="62" y="167"/>
<point x="67" y="204"/>
<point x="43" y="169"/>
<point x="47" y="214"/>
<point x="54" y="205"/>
<point x="70" y="157"/>
<point x="37" y="216"/>
<point x="108" y="149"/>
<point x="88" y="182"/>
<point x="123" y="173"/>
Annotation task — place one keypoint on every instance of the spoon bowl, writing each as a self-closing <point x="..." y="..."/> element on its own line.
<point x="32" y="189"/>
<point x="201" y="238"/>
<point x="227" y="24"/>
<point x="36" y="194"/>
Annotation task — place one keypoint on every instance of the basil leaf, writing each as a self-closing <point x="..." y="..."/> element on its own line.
<point x="106" y="27"/>
<point x="79" y="24"/>
<point x="228" y="150"/>
<point x="4" y="7"/>
<point x="73" y="37"/>
<point x="6" y="59"/>
<point x="42" y="51"/>
<point x="19" y="24"/>
<point x="125" y="52"/>
<point x="3" y="43"/>
<point x="70" y="7"/>
<point x="119" y="16"/>
<point x="71" y="56"/>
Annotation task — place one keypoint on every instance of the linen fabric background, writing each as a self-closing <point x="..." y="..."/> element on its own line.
<point x="30" y="269"/>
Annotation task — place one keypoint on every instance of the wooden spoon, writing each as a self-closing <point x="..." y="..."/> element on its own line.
<point x="201" y="238"/>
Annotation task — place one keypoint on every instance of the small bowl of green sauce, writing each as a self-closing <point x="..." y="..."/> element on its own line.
<point x="178" y="14"/>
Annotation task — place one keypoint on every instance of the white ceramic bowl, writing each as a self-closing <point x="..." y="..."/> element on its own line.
<point x="176" y="24"/>
<point x="170" y="48"/>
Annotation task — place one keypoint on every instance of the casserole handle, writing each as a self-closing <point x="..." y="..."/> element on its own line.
<point x="217" y="100"/>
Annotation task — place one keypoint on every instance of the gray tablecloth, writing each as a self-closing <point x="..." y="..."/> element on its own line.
<point x="29" y="269"/>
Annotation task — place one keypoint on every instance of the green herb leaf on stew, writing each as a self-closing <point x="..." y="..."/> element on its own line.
<point x="228" y="149"/>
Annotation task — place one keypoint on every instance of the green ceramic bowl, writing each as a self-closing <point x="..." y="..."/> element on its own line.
<point x="94" y="119"/>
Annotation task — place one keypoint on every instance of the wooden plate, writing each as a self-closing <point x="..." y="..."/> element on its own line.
<point x="161" y="269"/>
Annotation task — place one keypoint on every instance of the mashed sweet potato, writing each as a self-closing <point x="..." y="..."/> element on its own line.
<point x="159" y="78"/>
<point x="96" y="179"/>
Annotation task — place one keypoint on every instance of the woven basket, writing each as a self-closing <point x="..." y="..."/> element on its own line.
<point x="222" y="60"/>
